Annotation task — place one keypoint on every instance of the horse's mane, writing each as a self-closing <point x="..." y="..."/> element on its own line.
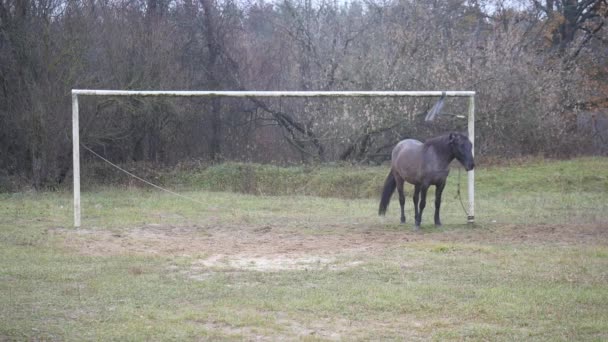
<point x="442" y="141"/>
<point x="444" y="138"/>
<point x="438" y="141"/>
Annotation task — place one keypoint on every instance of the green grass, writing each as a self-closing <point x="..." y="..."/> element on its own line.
<point x="324" y="181"/>
<point x="534" y="267"/>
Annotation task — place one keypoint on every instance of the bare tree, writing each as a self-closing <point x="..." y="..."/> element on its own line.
<point x="565" y="18"/>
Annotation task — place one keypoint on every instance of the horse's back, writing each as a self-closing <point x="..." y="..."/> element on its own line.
<point x="408" y="146"/>
<point x="407" y="160"/>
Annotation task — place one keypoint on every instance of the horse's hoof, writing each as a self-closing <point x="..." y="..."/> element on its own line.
<point x="403" y="220"/>
<point x="438" y="225"/>
<point x="417" y="227"/>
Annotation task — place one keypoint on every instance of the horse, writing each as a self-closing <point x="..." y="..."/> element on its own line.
<point x="423" y="165"/>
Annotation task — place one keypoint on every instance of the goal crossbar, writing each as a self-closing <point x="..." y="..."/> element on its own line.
<point x="211" y="93"/>
<point x="230" y="93"/>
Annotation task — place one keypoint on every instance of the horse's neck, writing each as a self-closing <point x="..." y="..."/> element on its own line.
<point x="442" y="156"/>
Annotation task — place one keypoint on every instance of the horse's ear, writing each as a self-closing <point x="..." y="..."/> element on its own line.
<point x="451" y="138"/>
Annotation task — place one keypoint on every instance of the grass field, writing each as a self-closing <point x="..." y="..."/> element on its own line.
<point x="311" y="262"/>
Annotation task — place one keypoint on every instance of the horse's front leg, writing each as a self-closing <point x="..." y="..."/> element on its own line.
<point x="421" y="205"/>
<point x="438" y="191"/>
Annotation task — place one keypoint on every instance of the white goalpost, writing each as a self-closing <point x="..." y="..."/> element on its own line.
<point x="152" y="93"/>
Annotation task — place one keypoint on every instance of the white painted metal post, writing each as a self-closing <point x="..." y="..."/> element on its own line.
<point x="471" y="174"/>
<point x="252" y="93"/>
<point x="76" y="159"/>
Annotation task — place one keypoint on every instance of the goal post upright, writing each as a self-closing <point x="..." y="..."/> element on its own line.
<point x="471" y="174"/>
<point x="184" y="93"/>
<point x="76" y="158"/>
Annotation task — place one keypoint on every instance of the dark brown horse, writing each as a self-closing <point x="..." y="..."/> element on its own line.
<point x="424" y="165"/>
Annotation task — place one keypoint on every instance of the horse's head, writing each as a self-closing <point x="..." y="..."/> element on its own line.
<point x="462" y="148"/>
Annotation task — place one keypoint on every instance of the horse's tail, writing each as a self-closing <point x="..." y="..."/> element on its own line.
<point x="389" y="187"/>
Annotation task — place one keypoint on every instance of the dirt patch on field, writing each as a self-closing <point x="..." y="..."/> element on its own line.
<point x="255" y="248"/>
<point x="268" y="248"/>
<point x="193" y="240"/>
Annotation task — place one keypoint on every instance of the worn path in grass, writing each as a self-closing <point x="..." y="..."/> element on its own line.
<point x="268" y="247"/>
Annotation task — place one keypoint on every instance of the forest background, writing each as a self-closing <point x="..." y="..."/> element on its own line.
<point x="540" y="70"/>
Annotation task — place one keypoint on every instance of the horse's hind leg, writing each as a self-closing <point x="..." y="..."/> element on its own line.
<point x="401" y="198"/>
<point x="416" y="201"/>
<point x="438" y="192"/>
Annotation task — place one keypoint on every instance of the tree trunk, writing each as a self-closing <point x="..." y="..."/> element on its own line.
<point x="212" y="73"/>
